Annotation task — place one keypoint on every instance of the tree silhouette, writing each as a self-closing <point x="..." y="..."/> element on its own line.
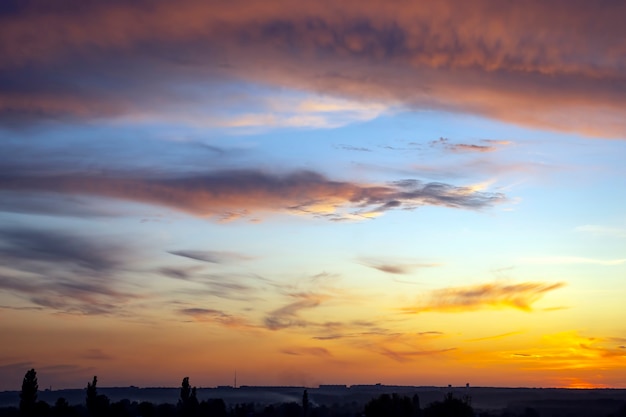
<point x="97" y="405"/>
<point x="61" y="408"/>
<point x="185" y="391"/>
<point x="92" y="395"/>
<point x="28" y="396"/>
<point x="188" y="403"/>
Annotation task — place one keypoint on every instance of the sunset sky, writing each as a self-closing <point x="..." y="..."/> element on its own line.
<point x="322" y="192"/>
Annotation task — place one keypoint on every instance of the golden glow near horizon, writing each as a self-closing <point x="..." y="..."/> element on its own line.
<point x="373" y="192"/>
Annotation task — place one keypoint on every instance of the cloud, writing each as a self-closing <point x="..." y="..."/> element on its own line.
<point x="215" y="257"/>
<point x="230" y="286"/>
<point x="178" y="273"/>
<point x="352" y="335"/>
<point x="494" y="337"/>
<point x="18" y="244"/>
<point x="402" y="347"/>
<point x="431" y="333"/>
<point x="309" y="351"/>
<point x="287" y="316"/>
<point x="408" y="355"/>
<point x="63" y="271"/>
<point x="57" y="205"/>
<point x="216" y="316"/>
<point x="249" y="191"/>
<point x="291" y="112"/>
<point x="569" y="351"/>
<point x="489" y="145"/>
<point x="604" y="352"/>
<point x="226" y="286"/>
<point x="353" y="148"/>
<point x="493" y="295"/>
<point x="396" y="268"/>
<point x="461" y="147"/>
<point x="551" y="64"/>
<point x="355" y="329"/>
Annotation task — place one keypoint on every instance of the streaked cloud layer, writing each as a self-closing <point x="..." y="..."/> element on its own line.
<point x="477" y="57"/>
<point x="367" y="192"/>
<point x="223" y="192"/>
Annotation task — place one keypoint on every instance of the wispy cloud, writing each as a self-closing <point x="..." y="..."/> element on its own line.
<point x="216" y="316"/>
<point x="216" y="257"/>
<point x="52" y="246"/>
<point x="570" y="350"/>
<point x="287" y="316"/>
<point x="63" y="271"/>
<point x="409" y="355"/>
<point x="240" y="287"/>
<point x="431" y="333"/>
<point x="186" y="273"/>
<point x="402" y="347"/>
<point x="309" y="351"/>
<point x="216" y="193"/>
<point x="394" y="267"/>
<point x="353" y="148"/>
<point x="487" y="146"/>
<point x="494" y="337"/>
<point x="520" y="296"/>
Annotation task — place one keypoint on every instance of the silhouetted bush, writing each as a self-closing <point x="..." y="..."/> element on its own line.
<point x="392" y="406"/>
<point x="147" y="409"/>
<point x="63" y="409"/>
<point x="165" y="410"/>
<point x="213" y="408"/>
<point x="449" y="407"/>
<point x="242" y="410"/>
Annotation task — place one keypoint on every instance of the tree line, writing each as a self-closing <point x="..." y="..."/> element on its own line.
<point x="188" y="405"/>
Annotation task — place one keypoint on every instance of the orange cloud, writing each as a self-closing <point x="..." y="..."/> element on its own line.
<point x="571" y="351"/>
<point x="552" y="64"/>
<point x="408" y="355"/>
<point x="402" y="347"/>
<point x="217" y="316"/>
<point x="313" y="351"/>
<point x="494" y="295"/>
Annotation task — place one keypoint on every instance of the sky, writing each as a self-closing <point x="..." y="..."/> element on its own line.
<point x="304" y="193"/>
